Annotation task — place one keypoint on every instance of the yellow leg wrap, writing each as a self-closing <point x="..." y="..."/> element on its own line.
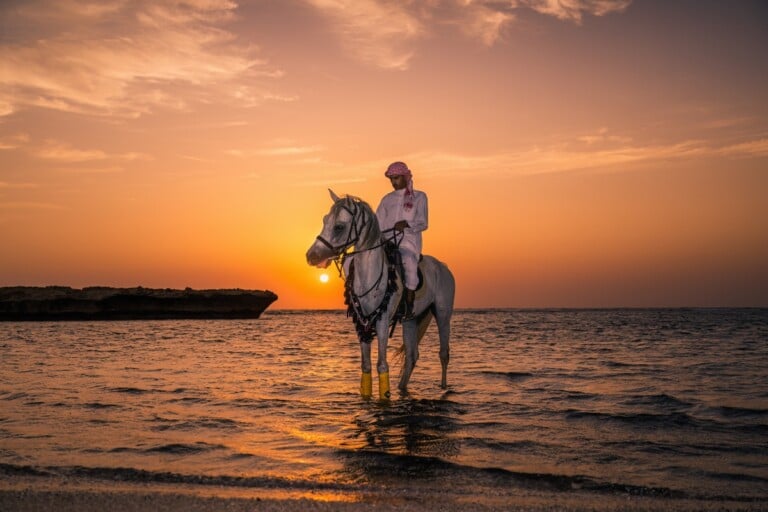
<point x="366" y="388"/>
<point x="384" y="385"/>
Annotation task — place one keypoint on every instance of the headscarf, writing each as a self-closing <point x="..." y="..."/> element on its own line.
<point x="400" y="169"/>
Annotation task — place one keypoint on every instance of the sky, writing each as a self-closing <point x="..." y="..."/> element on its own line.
<point x="576" y="153"/>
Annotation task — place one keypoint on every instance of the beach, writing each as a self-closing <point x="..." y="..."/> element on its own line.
<point x="43" y="494"/>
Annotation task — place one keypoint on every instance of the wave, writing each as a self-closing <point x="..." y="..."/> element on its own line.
<point x="196" y="424"/>
<point x="675" y="419"/>
<point x="741" y="412"/>
<point x="130" y="390"/>
<point x="513" y="376"/>
<point x="99" y="405"/>
<point x="381" y="466"/>
<point x="133" y="475"/>
<point x="170" y="449"/>
<point x="659" y="400"/>
<point x="377" y="469"/>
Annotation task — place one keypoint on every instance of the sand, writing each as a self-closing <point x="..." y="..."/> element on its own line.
<point x="27" y="494"/>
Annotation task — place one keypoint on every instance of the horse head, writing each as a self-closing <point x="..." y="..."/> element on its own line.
<point x="349" y="223"/>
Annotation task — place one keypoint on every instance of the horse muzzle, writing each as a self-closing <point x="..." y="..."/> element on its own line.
<point x="319" y="256"/>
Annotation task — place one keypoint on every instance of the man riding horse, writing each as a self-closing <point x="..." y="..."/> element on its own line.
<point x="405" y="211"/>
<point x="351" y="238"/>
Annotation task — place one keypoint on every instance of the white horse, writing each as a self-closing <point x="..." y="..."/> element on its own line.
<point x="351" y="237"/>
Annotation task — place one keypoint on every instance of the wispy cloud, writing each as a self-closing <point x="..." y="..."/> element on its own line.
<point x="602" y="136"/>
<point x="574" y="10"/>
<point x="608" y="155"/>
<point x="484" y="22"/>
<point x="64" y="153"/>
<point x="374" y="31"/>
<point x="30" y="205"/>
<point x="289" y="150"/>
<point x="382" y="32"/>
<point x="325" y="182"/>
<point x="127" y="58"/>
<point x="4" y="185"/>
<point x="13" y="141"/>
<point x="753" y="148"/>
<point x="282" y="148"/>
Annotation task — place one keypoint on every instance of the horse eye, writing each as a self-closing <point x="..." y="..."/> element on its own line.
<point x="338" y="228"/>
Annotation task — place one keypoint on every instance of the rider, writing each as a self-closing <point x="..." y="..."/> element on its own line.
<point x="405" y="211"/>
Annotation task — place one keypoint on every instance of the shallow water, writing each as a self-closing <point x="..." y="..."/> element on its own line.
<point x="654" y="402"/>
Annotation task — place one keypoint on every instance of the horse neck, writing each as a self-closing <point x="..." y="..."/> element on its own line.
<point x="370" y="262"/>
<point x="370" y="233"/>
<point x="370" y="274"/>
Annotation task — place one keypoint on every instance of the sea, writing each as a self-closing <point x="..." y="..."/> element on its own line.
<point x="669" y="403"/>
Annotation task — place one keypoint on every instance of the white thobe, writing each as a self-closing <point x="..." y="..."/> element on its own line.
<point x="391" y="210"/>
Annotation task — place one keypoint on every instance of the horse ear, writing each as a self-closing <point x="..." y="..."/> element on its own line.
<point x="333" y="195"/>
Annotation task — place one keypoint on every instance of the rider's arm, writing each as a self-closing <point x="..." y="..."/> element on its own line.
<point x="420" y="215"/>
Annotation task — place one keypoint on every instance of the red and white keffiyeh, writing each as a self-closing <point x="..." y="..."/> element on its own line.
<point x="400" y="169"/>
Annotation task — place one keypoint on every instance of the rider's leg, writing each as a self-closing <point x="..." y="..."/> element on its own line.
<point x="411" y="268"/>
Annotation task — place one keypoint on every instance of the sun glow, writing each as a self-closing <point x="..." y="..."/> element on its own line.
<point x="323" y="278"/>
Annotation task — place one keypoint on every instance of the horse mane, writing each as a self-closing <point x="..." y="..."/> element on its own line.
<point x="372" y="233"/>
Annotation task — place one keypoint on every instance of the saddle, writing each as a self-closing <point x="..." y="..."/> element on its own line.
<point x="396" y="259"/>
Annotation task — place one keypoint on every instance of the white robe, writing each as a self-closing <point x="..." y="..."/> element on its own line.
<point x="390" y="211"/>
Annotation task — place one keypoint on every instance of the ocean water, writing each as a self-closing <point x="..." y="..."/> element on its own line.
<point x="671" y="403"/>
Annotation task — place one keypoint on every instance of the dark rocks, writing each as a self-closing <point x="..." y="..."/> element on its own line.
<point x="104" y="303"/>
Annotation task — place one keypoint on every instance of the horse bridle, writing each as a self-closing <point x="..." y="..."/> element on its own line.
<point x="354" y="233"/>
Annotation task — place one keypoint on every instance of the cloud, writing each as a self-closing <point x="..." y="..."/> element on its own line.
<point x="374" y="31"/>
<point x="30" y="205"/>
<point x="13" y="141"/>
<point x="127" y="58"/>
<point x="65" y="153"/>
<point x="574" y="10"/>
<point x="753" y="148"/>
<point x="382" y="32"/>
<point x="610" y="155"/>
<point x="485" y="23"/>
<point x="4" y="185"/>
<point x="289" y="150"/>
<point x="325" y="182"/>
<point x="602" y="136"/>
<point x="280" y="148"/>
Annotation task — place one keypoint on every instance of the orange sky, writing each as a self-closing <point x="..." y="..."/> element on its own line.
<point x="579" y="153"/>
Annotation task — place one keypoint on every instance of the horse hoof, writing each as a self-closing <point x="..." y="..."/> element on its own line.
<point x="366" y="388"/>
<point x="384" y="393"/>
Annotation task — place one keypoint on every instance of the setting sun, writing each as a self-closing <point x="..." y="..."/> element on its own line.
<point x="323" y="278"/>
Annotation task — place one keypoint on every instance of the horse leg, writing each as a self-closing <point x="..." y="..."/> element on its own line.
<point x="382" y="335"/>
<point x="443" y="317"/>
<point x="411" y="343"/>
<point x="365" y="380"/>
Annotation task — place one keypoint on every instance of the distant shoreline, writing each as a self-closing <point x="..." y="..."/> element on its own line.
<point x="30" y="303"/>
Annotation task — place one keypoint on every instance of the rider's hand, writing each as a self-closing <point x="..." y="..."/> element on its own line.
<point x="401" y="225"/>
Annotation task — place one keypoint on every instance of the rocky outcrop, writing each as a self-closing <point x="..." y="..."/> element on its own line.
<point x="104" y="303"/>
